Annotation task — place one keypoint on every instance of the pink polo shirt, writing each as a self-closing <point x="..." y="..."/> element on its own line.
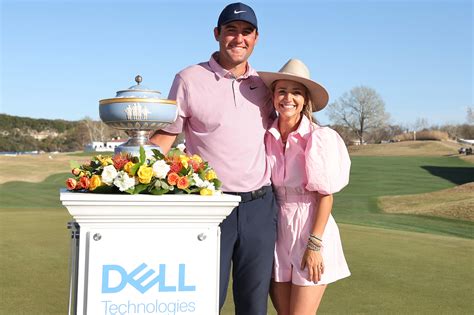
<point x="224" y="120"/>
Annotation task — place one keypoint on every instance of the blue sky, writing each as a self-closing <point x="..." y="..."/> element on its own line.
<point x="59" y="58"/>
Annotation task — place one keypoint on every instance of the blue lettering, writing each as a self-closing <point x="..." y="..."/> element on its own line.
<point x="163" y="287"/>
<point x="105" y="278"/>
<point x="182" y="275"/>
<point x="138" y="283"/>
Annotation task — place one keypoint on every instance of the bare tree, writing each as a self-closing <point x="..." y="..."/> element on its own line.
<point x="97" y="130"/>
<point x="361" y="110"/>
<point x="384" y="133"/>
<point x="420" y="124"/>
<point x="470" y="115"/>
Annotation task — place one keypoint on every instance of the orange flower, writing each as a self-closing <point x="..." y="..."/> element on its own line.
<point x="76" y="172"/>
<point x="71" y="184"/>
<point x="119" y="161"/>
<point x="183" y="182"/>
<point x="84" y="182"/>
<point x="195" y="165"/>
<point x="176" y="166"/>
<point x="173" y="178"/>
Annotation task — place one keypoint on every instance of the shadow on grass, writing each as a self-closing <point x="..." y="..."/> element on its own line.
<point x="26" y="195"/>
<point x="456" y="175"/>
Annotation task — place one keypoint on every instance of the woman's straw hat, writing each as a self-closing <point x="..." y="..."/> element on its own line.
<point x="296" y="70"/>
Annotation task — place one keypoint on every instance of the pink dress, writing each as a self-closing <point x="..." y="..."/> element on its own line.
<point x="315" y="159"/>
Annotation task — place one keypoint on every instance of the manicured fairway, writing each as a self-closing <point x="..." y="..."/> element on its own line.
<point x="372" y="177"/>
<point x="394" y="270"/>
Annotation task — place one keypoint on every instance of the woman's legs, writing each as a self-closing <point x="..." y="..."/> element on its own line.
<point x="290" y="299"/>
<point x="306" y="300"/>
<point x="280" y="293"/>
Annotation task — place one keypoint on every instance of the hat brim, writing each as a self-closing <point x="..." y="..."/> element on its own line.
<point x="238" y="19"/>
<point x="319" y="95"/>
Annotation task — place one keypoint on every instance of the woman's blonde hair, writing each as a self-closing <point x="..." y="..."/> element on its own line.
<point x="308" y="104"/>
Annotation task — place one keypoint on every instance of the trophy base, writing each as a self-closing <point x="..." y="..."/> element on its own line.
<point x="138" y="138"/>
<point x="134" y="150"/>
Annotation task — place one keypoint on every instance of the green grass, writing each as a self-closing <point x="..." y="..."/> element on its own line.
<point x="25" y="195"/>
<point x="372" y="177"/>
<point x="34" y="251"/>
<point x="394" y="270"/>
<point x="90" y="154"/>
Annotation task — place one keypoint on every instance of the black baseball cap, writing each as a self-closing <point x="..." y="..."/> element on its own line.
<point x="237" y="12"/>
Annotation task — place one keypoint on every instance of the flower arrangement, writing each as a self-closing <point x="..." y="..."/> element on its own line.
<point x="174" y="173"/>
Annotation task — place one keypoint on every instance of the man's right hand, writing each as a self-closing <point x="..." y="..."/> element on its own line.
<point x="163" y="139"/>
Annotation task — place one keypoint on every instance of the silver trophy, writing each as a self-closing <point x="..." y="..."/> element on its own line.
<point x="137" y="110"/>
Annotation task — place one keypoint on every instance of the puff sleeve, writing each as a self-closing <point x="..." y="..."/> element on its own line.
<point x="327" y="161"/>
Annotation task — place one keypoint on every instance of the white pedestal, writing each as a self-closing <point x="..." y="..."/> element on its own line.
<point x="144" y="254"/>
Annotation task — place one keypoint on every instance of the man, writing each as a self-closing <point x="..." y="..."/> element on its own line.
<point x="224" y="110"/>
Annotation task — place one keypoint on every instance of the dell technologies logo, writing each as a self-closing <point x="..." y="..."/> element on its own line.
<point x="143" y="283"/>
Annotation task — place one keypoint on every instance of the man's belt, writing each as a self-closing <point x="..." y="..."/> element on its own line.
<point x="251" y="195"/>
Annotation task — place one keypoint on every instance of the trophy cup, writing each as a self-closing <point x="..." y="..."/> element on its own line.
<point x="137" y="110"/>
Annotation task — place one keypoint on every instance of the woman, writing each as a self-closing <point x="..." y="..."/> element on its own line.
<point x="309" y="164"/>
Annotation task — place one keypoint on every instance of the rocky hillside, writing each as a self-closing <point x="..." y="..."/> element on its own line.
<point x="19" y="134"/>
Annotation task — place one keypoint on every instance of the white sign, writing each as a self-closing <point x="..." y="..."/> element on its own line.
<point x="152" y="271"/>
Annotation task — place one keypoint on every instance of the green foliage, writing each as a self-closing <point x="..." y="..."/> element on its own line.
<point x="16" y="134"/>
<point x="8" y="122"/>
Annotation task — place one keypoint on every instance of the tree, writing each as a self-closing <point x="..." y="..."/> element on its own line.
<point x="470" y="115"/>
<point x="361" y="110"/>
<point x="95" y="129"/>
<point x="420" y="124"/>
<point x="384" y="133"/>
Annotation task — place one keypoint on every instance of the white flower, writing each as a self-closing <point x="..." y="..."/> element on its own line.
<point x="181" y="146"/>
<point x="212" y="188"/>
<point x="108" y="174"/>
<point x="123" y="181"/>
<point x="160" y="169"/>
<point x="199" y="182"/>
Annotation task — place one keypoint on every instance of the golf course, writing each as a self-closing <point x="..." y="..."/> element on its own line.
<point x="406" y="222"/>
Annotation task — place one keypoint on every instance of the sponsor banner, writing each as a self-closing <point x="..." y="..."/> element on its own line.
<point x="151" y="271"/>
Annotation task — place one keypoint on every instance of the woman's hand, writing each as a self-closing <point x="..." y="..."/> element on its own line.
<point x="313" y="260"/>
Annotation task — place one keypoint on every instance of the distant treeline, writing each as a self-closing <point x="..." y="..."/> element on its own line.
<point x="18" y="134"/>
<point x="8" y="122"/>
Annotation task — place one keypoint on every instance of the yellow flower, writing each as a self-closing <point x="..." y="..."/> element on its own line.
<point x="144" y="174"/>
<point x="184" y="160"/>
<point x="95" y="182"/>
<point x="205" y="192"/>
<point x="105" y="160"/>
<point x="196" y="158"/>
<point x="210" y="175"/>
<point x="128" y="167"/>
